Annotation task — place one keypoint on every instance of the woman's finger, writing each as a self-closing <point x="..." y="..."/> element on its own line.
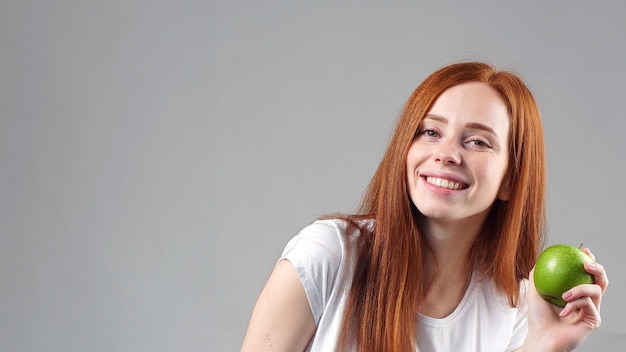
<point x="599" y="275"/>
<point x="592" y="291"/>
<point x="587" y="312"/>
<point x="588" y="251"/>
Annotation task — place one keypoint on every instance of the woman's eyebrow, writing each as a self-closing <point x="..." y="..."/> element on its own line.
<point x="436" y="118"/>
<point x="480" y="126"/>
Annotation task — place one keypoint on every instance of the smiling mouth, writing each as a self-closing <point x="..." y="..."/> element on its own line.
<point x="443" y="183"/>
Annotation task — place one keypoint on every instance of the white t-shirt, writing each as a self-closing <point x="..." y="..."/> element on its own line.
<point x="483" y="320"/>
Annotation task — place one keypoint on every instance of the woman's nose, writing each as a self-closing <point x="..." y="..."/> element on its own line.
<point x="448" y="152"/>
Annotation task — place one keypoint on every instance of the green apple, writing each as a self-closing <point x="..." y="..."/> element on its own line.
<point x="559" y="268"/>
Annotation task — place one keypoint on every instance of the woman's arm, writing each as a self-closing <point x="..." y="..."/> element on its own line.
<point x="282" y="319"/>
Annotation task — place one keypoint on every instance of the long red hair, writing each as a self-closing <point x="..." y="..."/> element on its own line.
<point x="388" y="285"/>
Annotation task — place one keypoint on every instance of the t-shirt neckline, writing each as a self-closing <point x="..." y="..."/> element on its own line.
<point x="457" y="312"/>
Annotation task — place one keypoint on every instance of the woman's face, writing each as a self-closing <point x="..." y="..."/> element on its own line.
<point x="458" y="159"/>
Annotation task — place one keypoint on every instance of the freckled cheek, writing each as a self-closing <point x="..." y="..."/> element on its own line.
<point x="411" y="176"/>
<point x="494" y="170"/>
<point x="411" y="164"/>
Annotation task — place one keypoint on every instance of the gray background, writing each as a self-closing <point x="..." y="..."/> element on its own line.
<point x="157" y="155"/>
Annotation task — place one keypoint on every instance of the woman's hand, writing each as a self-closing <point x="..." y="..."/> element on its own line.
<point x="551" y="328"/>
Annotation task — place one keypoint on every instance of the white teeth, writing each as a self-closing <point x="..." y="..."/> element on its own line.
<point x="443" y="183"/>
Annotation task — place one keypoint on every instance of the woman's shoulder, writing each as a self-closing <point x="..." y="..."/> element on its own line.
<point x="339" y="225"/>
<point x="327" y="237"/>
<point x="320" y="254"/>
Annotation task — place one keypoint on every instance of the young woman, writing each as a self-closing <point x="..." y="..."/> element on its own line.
<point x="439" y="256"/>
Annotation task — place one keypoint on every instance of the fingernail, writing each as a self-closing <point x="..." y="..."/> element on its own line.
<point x="563" y="312"/>
<point x="567" y="295"/>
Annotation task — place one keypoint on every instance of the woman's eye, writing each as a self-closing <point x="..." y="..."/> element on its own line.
<point x="430" y="133"/>
<point x="479" y="143"/>
<point x="426" y="132"/>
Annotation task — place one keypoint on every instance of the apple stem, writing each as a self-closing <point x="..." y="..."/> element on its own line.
<point x="581" y="246"/>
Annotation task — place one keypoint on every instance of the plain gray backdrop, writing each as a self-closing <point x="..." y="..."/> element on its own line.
<point x="156" y="156"/>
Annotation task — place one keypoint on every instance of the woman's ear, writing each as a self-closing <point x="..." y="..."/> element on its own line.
<point x="504" y="192"/>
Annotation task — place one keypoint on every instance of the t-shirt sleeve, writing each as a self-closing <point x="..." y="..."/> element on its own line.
<point x="520" y="329"/>
<point x="316" y="254"/>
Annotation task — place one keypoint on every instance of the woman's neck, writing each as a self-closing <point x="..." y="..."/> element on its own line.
<point x="450" y="241"/>
<point x="446" y="265"/>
